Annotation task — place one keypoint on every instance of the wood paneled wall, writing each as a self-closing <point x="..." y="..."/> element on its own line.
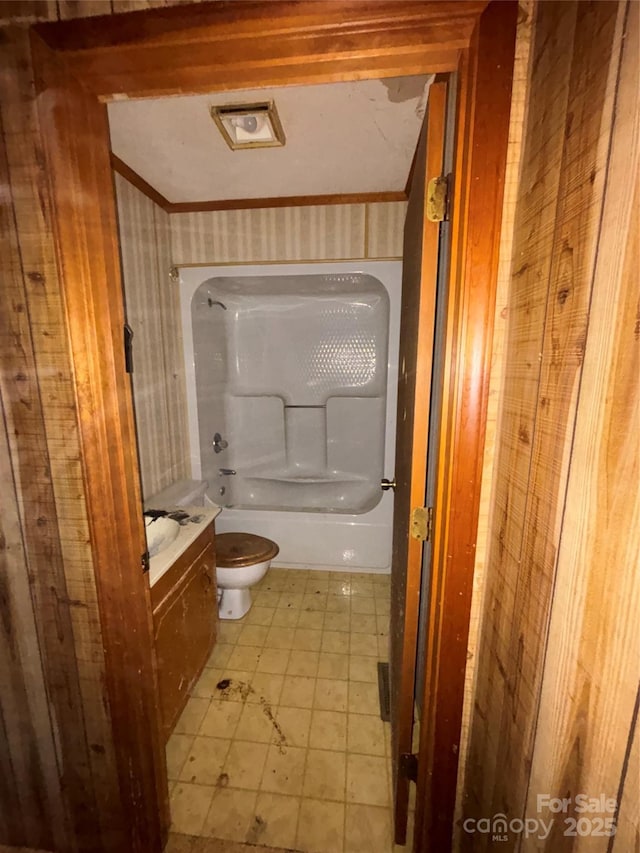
<point x="153" y="312"/>
<point x="554" y="710"/>
<point x="59" y="788"/>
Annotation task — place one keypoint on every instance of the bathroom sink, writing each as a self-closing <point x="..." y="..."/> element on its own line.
<point x="160" y="533"/>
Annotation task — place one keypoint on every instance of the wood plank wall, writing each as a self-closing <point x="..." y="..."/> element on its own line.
<point x="59" y="787"/>
<point x="555" y="701"/>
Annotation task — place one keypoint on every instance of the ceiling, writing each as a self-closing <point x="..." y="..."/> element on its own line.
<point x="356" y="137"/>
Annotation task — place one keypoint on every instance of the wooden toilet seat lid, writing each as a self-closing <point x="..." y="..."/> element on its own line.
<point x="234" y="550"/>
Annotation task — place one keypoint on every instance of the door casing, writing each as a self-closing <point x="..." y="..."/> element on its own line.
<point x="211" y="47"/>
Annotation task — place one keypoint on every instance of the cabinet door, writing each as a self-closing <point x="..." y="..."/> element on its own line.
<point x="185" y="626"/>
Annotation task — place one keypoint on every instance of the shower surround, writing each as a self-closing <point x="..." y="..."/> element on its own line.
<point x="291" y="385"/>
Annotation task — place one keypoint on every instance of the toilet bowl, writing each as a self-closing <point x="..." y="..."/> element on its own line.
<point x="242" y="560"/>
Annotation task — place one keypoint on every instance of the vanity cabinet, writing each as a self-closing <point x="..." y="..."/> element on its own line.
<point x="185" y="616"/>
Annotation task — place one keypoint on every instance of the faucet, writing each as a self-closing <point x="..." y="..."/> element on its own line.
<point x="228" y="471"/>
<point x="219" y="444"/>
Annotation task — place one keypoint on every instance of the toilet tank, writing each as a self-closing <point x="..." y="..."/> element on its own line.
<point x="180" y="493"/>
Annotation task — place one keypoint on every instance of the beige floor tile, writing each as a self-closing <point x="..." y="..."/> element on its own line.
<point x="253" y="635"/>
<point x="295" y="583"/>
<point x="383" y="647"/>
<point x="367" y="780"/>
<point x="387" y="739"/>
<point x="383" y="605"/>
<point x="254" y="725"/>
<point x="244" y="764"/>
<point x="286" y="617"/>
<point x="205" y="760"/>
<point x="178" y="747"/>
<point x="363" y="623"/>
<point x="364" y="644"/>
<point x="317" y="585"/>
<point x="219" y="657"/>
<point x="321" y="827"/>
<point x="221" y="719"/>
<point x="338" y="603"/>
<point x="273" y="661"/>
<point x="339" y="585"/>
<point x="229" y="631"/>
<point x="245" y="658"/>
<point x="325" y="775"/>
<point x="205" y="686"/>
<point x="363" y="604"/>
<point x="294" y="724"/>
<point x="233" y="686"/>
<point x="189" y="806"/>
<point x="382" y="624"/>
<point x="260" y="615"/>
<point x="279" y="638"/>
<point x="363" y="698"/>
<point x="333" y="666"/>
<point x="337" y="621"/>
<point x="314" y="601"/>
<point x="367" y="830"/>
<point x="292" y="600"/>
<point x="303" y="663"/>
<point x="363" y="668"/>
<point x="361" y="587"/>
<point x="331" y="695"/>
<point x="284" y="770"/>
<point x="231" y="814"/>
<point x="297" y="691"/>
<point x="266" y="598"/>
<point x="336" y="642"/>
<point x="277" y="819"/>
<point x="314" y="619"/>
<point x="191" y="718"/>
<point x="266" y="687"/>
<point x="270" y="584"/>
<point x="328" y="730"/>
<point x="306" y="639"/>
<point x="178" y="843"/>
<point x="366" y="734"/>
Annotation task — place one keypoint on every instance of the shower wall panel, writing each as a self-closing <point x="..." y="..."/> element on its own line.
<point x="289" y="365"/>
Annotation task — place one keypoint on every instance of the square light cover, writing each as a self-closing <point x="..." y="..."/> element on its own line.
<point x="249" y="125"/>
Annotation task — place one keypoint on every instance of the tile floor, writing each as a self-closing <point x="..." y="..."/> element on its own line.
<point x="281" y="742"/>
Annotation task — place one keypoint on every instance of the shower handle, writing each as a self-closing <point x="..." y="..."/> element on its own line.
<point x="228" y="472"/>
<point x="385" y="484"/>
<point x="219" y="444"/>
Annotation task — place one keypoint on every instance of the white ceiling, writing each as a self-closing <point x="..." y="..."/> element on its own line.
<point x="355" y="137"/>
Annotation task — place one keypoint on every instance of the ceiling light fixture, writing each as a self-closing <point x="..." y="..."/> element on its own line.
<point x="249" y="125"/>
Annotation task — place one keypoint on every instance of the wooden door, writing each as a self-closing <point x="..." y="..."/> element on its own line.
<point x="419" y="281"/>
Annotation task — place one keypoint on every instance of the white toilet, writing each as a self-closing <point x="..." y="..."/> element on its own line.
<point x="242" y="559"/>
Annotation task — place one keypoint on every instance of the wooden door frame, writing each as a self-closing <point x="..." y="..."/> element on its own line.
<point x="81" y="64"/>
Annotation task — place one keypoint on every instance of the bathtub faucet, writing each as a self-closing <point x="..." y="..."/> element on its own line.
<point x="219" y="444"/>
<point x="227" y="471"/>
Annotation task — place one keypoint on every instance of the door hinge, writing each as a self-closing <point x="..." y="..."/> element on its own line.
<point x="409" y="766"/>
<point x="144" y="562"/>
<point x="438" y="199"/>
<point x="421" y="522"/>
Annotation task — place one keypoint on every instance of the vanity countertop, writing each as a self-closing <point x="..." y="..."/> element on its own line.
<point x="189" y="532"/>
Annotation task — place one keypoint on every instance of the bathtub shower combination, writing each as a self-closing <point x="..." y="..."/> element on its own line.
<point x="291" y="387"/>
